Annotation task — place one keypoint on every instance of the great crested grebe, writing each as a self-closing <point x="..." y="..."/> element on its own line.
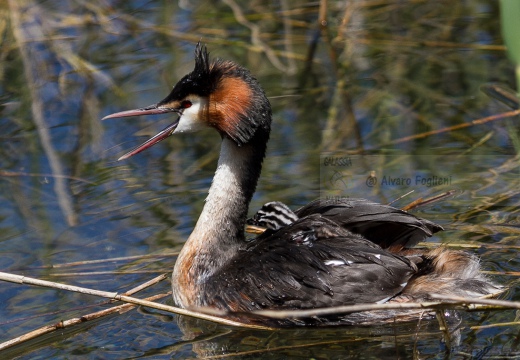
<point x="331" y="254"/>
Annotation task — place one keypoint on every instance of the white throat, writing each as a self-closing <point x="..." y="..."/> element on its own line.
<point x="225" y="196"/>
<point x="191" y="118"/>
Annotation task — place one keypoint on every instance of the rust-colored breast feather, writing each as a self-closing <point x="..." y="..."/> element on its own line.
<point x="185" y="280"/>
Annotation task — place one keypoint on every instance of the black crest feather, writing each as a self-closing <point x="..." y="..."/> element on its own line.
<point x="201" y="60"/>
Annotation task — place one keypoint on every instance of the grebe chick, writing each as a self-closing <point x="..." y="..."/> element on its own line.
<point x="270" y="217"/>
<point x="311" y="263"/>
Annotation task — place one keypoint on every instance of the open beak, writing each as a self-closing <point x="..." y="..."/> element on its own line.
<point x="149" y="110"/>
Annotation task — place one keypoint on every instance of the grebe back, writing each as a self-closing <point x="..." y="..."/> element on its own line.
<point x="390" y="228"/>
<point x="315" y="261"/>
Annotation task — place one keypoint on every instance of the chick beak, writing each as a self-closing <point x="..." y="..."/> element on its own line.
<point x="149" y="110"/>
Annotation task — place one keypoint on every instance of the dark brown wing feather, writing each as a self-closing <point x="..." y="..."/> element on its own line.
<point x="288" y="270"/>
<point x="381" y="224"/>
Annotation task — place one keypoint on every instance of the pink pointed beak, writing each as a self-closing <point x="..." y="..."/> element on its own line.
<point x="149" y="110"/>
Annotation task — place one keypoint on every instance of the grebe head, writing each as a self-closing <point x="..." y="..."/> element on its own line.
<point x="218" y="94"/>
<point x="273" y="215"/>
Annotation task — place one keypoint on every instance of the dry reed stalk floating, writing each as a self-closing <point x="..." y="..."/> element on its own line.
<point x="509" y="273"/>
<point x="401" y="197"/>
<point x="18" y="279"/>
<point x="422" y="202"/>
<point x="489" y="326"/>
<point x="467" y="246"/>
<point x="96" y="315"/>
<point x="455" y="303"/>
<point x="478" y="301"/>
<point x="101" y="273"/>
<point x="74" y="321"/>
<point x="146" y="284"/>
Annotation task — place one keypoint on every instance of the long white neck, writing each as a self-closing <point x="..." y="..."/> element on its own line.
<point x="219" y="232"/>
<point x="222" y="219"/>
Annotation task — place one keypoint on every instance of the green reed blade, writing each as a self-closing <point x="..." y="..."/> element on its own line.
<point x="510" y="19"/>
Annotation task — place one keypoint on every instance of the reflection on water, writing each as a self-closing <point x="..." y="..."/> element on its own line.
<point x="376" y="74"/>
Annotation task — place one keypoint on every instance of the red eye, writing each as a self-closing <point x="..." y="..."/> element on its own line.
<point x="186" y="104"/>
